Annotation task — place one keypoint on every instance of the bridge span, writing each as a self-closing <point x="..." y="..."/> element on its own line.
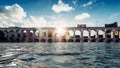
<point x="69" y="34"/>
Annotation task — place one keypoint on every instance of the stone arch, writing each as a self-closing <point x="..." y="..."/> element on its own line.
<point x="85" y="33"/>
<point x="19" y="35"/>
<point x="17" y="40"/>
<point x="12" y="34"/>
<point x="100" y="33"/>
<point x="101" y="40"/>
<point x="5" y="31"/>
<point x="63" y="40"/>
<point x="70" y="33"/>
<point x="50" y="33"/>
<point x="18" y="31"/>
<point x="93" y="33"/>
<point x="37" y="33"/>
<point x="77" y="33"/>
<point x="36" y="40"/>
<point x="43" y="40"/>
<point x="31" y="32"/>
<point x="24" y="31"/>
<point x="77" y="40"/>
<point x="50" y="40"/>
<point x="116" y="33"/>
<point x="11" y="31"/>
<point x="85" y="40"/>
<point x="27" y="31"/>
<point x="30" y="40"/>
<point x="109" y="40"/>
<point x="24" y="34"/>
<point x="2" y="36"/>
<point x="117" y="40"/>
<point x="70" y="40"/>
<point x="93" y="40"/>
<point x="43" y="33"/>
<point x="119" y="33"/>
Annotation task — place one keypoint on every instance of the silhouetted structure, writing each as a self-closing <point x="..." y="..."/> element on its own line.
<point x="108" y="32"/>
<point x="81" y="25"/>
<point x="2" y="36"/>
<point x="115" y="24"/>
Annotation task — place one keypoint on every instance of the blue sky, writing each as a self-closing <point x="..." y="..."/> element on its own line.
<point x="42" y="13"/>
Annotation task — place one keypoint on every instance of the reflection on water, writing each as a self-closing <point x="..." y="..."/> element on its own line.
<point x="59" y="55"/>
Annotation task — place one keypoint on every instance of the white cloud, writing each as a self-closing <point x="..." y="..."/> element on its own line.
<point x="6" y="24"/>
<point x="61" y="7"/>
<point x="59" y="21"/>
<point x="34" y="22"/>
<point x="11" y="14"/>
<point x="14" y="13"/>
<point x="88" y="4"/>
<point x="82" y="16"/>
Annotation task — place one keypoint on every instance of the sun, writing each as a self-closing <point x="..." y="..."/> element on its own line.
<point x="60" y="31"/>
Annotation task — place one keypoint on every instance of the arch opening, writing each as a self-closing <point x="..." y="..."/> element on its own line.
<point x="100" y="33"/>
<point x="92" y="34"/>
<point x="77" y="34"/>
<point x="85" y="33"/>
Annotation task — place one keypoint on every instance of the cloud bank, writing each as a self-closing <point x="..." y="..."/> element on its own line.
<point x="10" y="15"/>
<point x="14" y="13"/>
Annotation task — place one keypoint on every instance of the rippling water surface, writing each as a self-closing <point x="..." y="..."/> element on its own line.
<point x="59" y="55"/>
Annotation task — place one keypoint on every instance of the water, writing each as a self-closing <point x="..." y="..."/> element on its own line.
<point x="59" y="55"/>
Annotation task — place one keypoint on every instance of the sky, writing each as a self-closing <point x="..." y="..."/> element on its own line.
<point x="58" y="13"/>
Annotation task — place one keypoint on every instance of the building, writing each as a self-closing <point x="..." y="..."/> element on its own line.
<point x="115" y="24"/>
<point x="110" y="32"/>
<point x="81" y="25"/>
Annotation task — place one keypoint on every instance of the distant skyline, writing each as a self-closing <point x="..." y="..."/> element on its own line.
<point x="58" y="13"/>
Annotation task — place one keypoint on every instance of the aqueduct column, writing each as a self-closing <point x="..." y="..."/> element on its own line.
<point x="27" y="35"/>
<point x="40" y="33"/>
<point x="104" y="33"/>
<point x="119" y="33"/>
<point x="81" y="35"/>
<point x="89" y="34"/>
<point x="53" y="36"/>
<point x="33" y="36"/>
<point x="47" y="31"/>
<point x="113" y="33"/>
<point x="73" y="35"/>
<point x="96" y="36"/>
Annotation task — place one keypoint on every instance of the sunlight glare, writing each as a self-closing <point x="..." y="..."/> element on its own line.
<point x="60" y="31"/>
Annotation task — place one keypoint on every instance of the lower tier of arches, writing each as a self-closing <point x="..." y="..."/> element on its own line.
<point x="63" y="40"/>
